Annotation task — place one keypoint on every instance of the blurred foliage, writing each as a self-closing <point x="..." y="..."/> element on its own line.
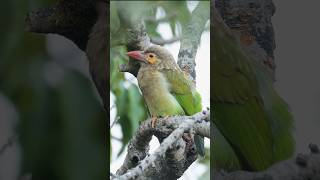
<point x="128" y="100"/>
<point x="61" y="125"/>
<point x="129" y="103"/>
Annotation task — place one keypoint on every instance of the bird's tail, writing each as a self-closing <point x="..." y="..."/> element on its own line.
<point x="199" y="142"/>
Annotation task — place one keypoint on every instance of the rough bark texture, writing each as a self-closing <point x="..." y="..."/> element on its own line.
<point x="252" y="19"/>
<point x="136" y="37"/>
<point x="166" y="162"/>
<point x="191" y="36"/>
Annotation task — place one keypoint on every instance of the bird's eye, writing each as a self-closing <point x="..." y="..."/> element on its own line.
<point x="151" y="58"/>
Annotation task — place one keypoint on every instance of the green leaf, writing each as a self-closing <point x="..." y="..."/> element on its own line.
<point x="137" y="111"/>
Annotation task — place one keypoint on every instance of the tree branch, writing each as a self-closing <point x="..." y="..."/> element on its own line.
<point x="252" y="20"/>
<point x="191" y="35"/>
<point x="154" y="160"/>
<point x="154" y="165"/>
<point x="136" y="37"/>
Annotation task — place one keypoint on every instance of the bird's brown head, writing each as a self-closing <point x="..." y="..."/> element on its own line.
<point x="153" y="56"/>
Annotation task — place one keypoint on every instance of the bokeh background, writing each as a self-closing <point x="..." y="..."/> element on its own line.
<point x="298" y="66"/>
<point x="126" y="104"/>
<point x="52" y="125"/>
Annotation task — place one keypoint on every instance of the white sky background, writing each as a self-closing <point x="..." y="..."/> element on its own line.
<point x="203" y="87"/>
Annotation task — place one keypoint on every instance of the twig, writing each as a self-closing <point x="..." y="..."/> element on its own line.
<point x="114" y="122"/>
<point x="124" y="68"/>
<point x="116" y="138"/>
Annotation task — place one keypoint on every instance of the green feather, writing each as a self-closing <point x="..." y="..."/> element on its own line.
<point x="223" y="154"/>
<point x="248" y="113"/>
<point x="189" y="99"/>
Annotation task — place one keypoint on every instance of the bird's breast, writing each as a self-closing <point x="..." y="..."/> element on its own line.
<point x="156" y="92"/>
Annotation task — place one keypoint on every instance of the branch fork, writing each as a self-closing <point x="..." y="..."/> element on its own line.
<point x="139" y="164"/>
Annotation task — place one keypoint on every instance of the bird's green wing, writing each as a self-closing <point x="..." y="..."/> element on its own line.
<point x="183" y="90"/>
<point x="280" y="117"/>
<point x="190" y="100"/>
<point x="224" y="156"/>
<point x="237" y="106"/>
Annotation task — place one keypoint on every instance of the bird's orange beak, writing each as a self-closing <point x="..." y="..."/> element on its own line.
<point x="137" y="55"/>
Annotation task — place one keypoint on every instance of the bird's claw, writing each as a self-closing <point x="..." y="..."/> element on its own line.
<point x="154" y="122"/>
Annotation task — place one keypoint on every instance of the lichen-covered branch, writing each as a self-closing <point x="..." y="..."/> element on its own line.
<point x="153" y="161"/>
<point x="137" y="149"/>
<point x="200" y="127"/>
<point x="137" y="163"/>
<point x="191" y="35"/>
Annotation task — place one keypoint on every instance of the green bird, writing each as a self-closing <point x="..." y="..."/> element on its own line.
<point x="252" y="123"/>
<point x="167" y="91"/>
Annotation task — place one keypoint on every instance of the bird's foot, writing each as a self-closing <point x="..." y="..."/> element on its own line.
<point x="189" y="142"/>
<point x="187" y="137"/>
<point x="154" y="121"/>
